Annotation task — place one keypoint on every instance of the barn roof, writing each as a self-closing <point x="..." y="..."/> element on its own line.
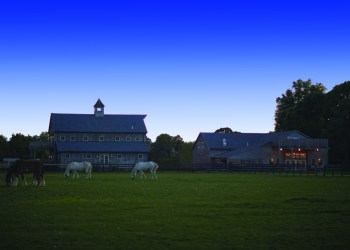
<point x="90" y="123"/>
<point x="236" y="142"/>
<point x="103" y="147"/>
<point x="233" y="140"/>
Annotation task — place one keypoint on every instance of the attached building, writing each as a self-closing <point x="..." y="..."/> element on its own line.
<point x="98" y="138"/>
<point x="289" y="147"/>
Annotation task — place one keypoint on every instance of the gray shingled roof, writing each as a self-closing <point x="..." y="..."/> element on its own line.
<point x="90" y="123"/>
<point x="103" y="147"/>
<point x="237" y="143"/>
<point x="234" y="140"/>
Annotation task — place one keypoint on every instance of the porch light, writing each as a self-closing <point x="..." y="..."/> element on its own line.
<point x="281" y="149"/>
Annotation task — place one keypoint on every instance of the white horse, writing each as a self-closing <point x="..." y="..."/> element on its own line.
<point x="79" y="166"/>
<point x="141" y="166"/>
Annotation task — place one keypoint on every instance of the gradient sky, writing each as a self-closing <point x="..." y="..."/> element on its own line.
<point x="190" y="66"/>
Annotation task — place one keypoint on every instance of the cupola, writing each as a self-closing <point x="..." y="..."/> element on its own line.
<point x="99" y="108"/>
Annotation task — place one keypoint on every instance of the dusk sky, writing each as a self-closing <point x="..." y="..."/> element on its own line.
<point x="190" y="66"/>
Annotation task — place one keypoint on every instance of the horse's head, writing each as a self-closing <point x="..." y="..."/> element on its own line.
<point x="133" y="175"/>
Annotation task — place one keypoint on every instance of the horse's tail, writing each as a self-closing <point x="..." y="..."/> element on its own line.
<point x="88" y="169"/>
<point x="11" y="171"/>
<point x="155" y="167"/>
<point x="8" y="177"/>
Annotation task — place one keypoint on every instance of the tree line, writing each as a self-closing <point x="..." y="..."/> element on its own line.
<point x="305" y="107"/>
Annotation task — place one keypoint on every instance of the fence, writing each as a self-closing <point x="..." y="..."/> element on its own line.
<point x="328" y="170"/>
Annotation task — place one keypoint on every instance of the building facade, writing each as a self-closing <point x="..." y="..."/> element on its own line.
<point x="289" y="147"/>
<point x="98" y="138"/>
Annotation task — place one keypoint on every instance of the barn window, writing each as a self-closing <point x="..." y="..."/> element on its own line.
<point x="117" y="138"/>
<point x="128" y="138"/>
<point x="67" y="156"/>
<point x="62" y="138"/>
<point x="140" y="156"/>
<point x="101" y="138"/>
<point x="88" y="156"/>
<point x="72" y="138"/>
<point x="119" y="156"/>
<point x="137" y="138"/>
<point x="85" y="138"/>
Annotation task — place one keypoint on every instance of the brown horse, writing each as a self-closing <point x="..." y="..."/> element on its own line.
<point x="20" y="167"/>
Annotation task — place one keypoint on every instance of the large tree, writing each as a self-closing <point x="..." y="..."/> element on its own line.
<point x="19" y="145"/>
<point x="169" y="149"/>
<point x="4" y="147"/>
<point x="337" y="116"/>
<point x="300" y="108"/>
<point x="224" y="130"/>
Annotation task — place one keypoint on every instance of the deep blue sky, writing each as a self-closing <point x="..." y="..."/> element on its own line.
<point x="190" y="66"/>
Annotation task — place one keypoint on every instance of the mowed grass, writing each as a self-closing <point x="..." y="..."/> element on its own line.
<point x="178" y="211"/>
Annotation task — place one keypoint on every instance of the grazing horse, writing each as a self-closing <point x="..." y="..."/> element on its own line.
<point x="79" y="166"/>
<point x="18" y="168"/>
<point x="141" y="166"/>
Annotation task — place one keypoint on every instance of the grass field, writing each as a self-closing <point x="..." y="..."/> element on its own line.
<point x="178" y="211"/>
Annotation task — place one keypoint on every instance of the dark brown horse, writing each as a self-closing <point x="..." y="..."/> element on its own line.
<point x="20" y="167"/>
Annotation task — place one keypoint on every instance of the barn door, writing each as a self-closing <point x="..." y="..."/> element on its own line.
<point x="104" y="159"/>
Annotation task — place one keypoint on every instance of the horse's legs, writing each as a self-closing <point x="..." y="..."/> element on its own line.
<point x="75" y="172"/>
<point x="24" y="179"/>
<point x="88" y="174"/>
<point x="143" y="174"/>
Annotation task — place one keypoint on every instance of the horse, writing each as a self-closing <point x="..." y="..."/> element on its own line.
<point x="141" y="166"/>
<point x="79" y="166"/>
<point x="18" y="168"/>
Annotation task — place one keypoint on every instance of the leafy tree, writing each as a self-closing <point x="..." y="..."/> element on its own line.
<point x="224" y="130"/>
<point x="337" y="117"/>
<point x="169" y="149"/>
<point x="19" y="145"/>
<point x="184" y="155"/>
<point x="4" y="147"/>
<point x="300" y="108"/>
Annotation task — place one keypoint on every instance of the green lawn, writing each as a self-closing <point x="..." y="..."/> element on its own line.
<point x="178" y="211"/>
